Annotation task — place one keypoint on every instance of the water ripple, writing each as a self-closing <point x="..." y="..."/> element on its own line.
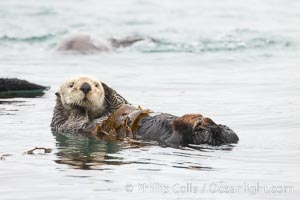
<point x="235" y="41"/>
<point x="31" y="39"/>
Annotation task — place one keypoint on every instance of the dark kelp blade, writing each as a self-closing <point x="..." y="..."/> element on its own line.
<point x="120" y="124"/>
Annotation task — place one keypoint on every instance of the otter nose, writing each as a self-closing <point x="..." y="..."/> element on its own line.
<point x="85" y="88"/>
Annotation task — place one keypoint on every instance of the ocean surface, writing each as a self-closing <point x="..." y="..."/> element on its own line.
<point x="237" y="62"/>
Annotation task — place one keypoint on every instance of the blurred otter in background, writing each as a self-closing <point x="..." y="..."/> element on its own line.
<point x="86" y="44"/>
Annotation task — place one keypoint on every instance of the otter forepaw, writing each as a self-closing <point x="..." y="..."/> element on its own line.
<point x="188" y="122"/>
<point x="204" y="124"/>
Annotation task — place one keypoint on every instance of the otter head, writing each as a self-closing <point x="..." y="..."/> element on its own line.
<point x="84" y="93"/>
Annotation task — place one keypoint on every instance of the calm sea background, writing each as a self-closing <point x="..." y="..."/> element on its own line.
<point x="237" y="62"/>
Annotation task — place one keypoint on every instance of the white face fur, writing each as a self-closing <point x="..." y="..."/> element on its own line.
<point x="84" y="92"/>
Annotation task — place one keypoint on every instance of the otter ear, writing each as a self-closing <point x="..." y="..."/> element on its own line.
<point x="57" y="94"/>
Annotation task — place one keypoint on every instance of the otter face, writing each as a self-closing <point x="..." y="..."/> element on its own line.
<point x="82" y="92"/>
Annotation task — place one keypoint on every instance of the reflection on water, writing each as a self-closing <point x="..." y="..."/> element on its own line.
<point x="81" y="152"/>
<point x="84" y="153"/>
<point x="11" y="102"/>
<point x="25" y="94"/>
<point x="207" y="148"/>
<point x="8" y="107"/>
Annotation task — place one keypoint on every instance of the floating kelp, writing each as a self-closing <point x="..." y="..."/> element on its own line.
<point x="32" y="151"/>
<point x="121" y="124"/>
<point x="2" y="156"/>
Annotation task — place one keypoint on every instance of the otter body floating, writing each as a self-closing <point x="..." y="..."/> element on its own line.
<point x="13" y="87"/>
<point x="86" y="44"/>
<point x="90" y="107"/>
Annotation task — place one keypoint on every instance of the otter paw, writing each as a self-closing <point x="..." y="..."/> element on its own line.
<point x="187" y="123"/>
<point x="204" y="123"/>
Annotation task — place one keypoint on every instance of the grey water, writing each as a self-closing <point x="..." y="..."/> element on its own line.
<point x="234" y="61"/>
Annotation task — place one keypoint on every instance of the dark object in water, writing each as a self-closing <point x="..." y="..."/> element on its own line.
<point x="13" y="87"/>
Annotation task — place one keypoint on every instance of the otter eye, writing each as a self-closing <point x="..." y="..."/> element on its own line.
<point x="97" y="84"/>
<point x="71" y="85"/>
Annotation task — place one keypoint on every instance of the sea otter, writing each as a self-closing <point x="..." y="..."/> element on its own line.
<point x="86" y="105"/>
<point x="86" y="44"/>
<point x="14" y="87"/>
